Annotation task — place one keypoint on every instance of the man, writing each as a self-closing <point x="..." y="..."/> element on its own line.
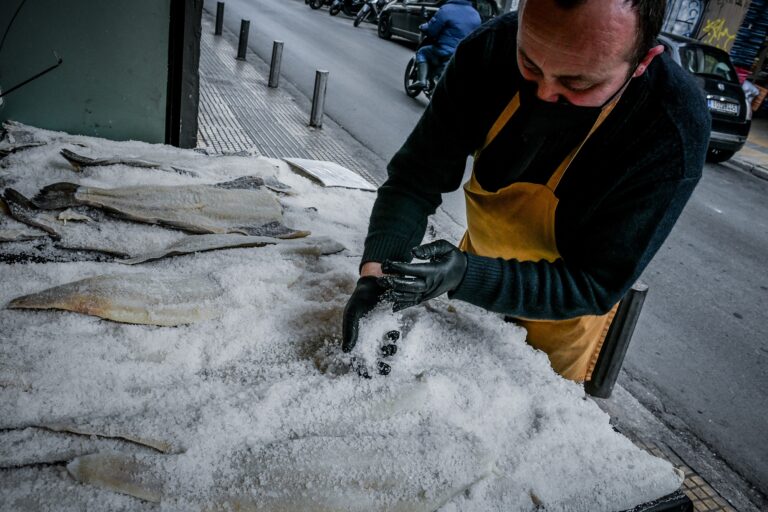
<point x="454" y="21"/>
<point x="587" y="143"/>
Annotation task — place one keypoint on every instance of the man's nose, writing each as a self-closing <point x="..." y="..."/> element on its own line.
<point x="548" y="90"/>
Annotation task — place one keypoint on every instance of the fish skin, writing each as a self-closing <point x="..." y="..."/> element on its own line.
<point x="202" y="243"/>
<point x="23" y="210"/>
<point x="133" y="298"/>
<point x="310" y="474"/>
<point x="16" y="139"/>
<point x="193" y="208"/>
<point x="78" y="161"/>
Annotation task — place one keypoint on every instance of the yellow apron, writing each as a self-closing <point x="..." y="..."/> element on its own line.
<point x="518" y="222"/>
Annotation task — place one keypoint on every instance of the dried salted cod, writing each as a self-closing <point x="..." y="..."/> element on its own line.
<point x="79" y="161"/>
<point x="133" y="298"/>
<point x="195" y="208"/>
<point x="24" y="211"/>
<point x="13" y="231"/>
<point x="200" y="243"/>
<point x="16" y="139"/>
<point x="404" y="473"/>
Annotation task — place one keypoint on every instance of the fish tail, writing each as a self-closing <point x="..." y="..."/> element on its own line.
<point x="75" y="160"/>
<point x="56" y="196"/>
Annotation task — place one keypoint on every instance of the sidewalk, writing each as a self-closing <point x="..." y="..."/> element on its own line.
<point x="239" y="113"/>
<point x="754" y="155"/>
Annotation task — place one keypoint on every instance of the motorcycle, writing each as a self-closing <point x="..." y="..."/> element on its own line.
<point x="316" y="4"/>
<point x="433" y="75"/>
<point x="371" y="6"/>
<point x="348" y="7"/>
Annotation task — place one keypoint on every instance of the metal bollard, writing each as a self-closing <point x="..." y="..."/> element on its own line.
<point x="616" y="343"/>
<point x="318" y="99"/>
<point x="245" y="26"/>
<point x="219" y="18"/>
<point x="274" y="66"/>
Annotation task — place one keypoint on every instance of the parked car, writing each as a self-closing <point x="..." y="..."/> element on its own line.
<point x="713" y="69"/>
<point x="403" y="17"/>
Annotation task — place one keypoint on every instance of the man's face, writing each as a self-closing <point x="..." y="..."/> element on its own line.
<point x="581" y="54"/>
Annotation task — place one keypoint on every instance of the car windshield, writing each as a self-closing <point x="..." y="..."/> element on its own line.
<point x="704" y="60"/>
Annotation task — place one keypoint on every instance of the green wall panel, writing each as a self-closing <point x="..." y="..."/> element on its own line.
<point x="114" y="79"/>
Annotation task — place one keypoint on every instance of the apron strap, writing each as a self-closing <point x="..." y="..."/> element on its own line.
<point x="501" y="121"/>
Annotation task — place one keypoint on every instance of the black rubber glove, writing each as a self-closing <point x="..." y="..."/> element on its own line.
<point x="409" y="284"/>
<point x="367" y="294"/>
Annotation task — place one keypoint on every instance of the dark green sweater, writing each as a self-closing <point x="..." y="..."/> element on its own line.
<point x="618" y="200"/>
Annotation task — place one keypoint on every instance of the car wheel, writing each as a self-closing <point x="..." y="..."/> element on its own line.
<point x="716" y="156"/>
<point x="410" y="78"/>
<point x="385" y="29"/>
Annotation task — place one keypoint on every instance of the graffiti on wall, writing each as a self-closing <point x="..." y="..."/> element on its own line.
<point x="721" y="22"/>
<point x="716" y="33"/>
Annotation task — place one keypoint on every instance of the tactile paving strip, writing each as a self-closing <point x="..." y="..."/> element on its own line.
<point x="239" y="113"/>
<point x="703" y="496"/>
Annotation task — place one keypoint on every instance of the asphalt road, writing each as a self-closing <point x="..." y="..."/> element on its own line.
<point x="700" y="353"/>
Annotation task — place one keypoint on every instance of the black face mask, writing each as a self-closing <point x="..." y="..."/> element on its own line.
<point x="545" y="118"/>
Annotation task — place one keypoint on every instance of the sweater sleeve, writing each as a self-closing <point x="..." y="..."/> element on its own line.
<point x="611" y="249"/>
<point x="431" y="161"/>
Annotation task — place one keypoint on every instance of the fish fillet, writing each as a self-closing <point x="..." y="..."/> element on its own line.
<point x="22" y="209"/>
<point x="200" y="243"/>
<point x="79" y="161"/>
<point x="312" y="474"/>
<point x="132" y="298"/>
<point x="17" y="139"/>
<point x="194" y="208"/>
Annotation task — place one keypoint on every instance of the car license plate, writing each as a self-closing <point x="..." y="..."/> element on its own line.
<point x="723" y="107"/>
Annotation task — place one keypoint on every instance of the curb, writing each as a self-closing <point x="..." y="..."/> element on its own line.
<point x="743" y="165"/>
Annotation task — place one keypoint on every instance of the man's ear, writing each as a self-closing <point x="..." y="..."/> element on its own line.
<point x="652" y="53"/>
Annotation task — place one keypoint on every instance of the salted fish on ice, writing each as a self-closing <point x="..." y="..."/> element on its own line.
<point x="403" y="473"/>
<point x="133" y="298"/>
<point x="200" y="243"/>
<point x="22" y="209"/>
<point x="79" y="161"/>
<point x="16" y="139"/>
<point x="194" y="208"/>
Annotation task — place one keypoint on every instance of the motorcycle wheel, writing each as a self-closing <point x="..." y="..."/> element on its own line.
<point x="410" y="78"/>
<point x="361" y="14"/>
<point x="316" y="4"/>
<point x="334" y="10"/>
<point x="384" y="29"/>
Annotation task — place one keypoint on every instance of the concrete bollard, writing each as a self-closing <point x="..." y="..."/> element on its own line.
<point x="318" y="99"/>
<point x="242" y="47"/>
<point x="274" y="66"/>
<point x="219" y="18"/>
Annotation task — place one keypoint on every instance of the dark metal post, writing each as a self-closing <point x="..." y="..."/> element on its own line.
<point x="274" y="67"/>
<point x="219" y="18"/>
<point x="242" y="47"/>
<point x="616" y="343"/>
<point x="318" y="99"/>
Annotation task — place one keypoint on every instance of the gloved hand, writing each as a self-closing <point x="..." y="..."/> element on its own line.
<point x="411" y="284"/>
<point x="367" y="294"/>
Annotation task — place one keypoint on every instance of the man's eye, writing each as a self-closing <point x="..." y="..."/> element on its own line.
<point x="579" y="87"/>
<point x="530" y="66"/>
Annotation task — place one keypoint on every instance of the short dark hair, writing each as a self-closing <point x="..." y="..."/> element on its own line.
<point x="650" y="17"/>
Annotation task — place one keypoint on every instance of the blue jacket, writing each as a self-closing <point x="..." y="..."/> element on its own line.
<point x="455" y="20"/>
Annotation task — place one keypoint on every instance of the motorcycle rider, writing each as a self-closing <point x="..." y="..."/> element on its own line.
<point x="454" y="21"/>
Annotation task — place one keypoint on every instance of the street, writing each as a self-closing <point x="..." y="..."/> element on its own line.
<point x="699" y="354"/>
